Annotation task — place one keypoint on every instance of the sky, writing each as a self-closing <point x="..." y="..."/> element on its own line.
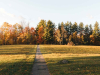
<point x="32" y="11"/>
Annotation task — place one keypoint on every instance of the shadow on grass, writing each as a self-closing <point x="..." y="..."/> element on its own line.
<point x="16" y="68"/>
<point x="76" y="66"/>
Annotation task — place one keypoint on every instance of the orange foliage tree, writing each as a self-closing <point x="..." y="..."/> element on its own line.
<point x="40" y="35"/>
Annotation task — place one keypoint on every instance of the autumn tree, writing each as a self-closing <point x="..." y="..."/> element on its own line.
<point x="54" y="36"/>
<point x="59" y="26"/>
<point x="33" y="36"/>
<point x="67" y="26"/>
<point x="82" y="39"/>
<point x="62" y="32"/>
<point x="70" y="28"/>
<point x="92" y="40"/>
<point x="74" y="37"/>
<point x="25" y="37"/>
<point x="96" y="29"/>
<point x="70" y="38"/>
<point x="86" y="29"/>
<point x="74" y="27"/>
<point x="48" y="32"/>
<point x="90" y="29"/>
<point x="80" y="29"/>
<point x="41" y="23"/>
<point x="58" y="36"/>
<point x="1" y="37"/>
<point x="86" y="37"/>
<point x="5" y="29"/>
<point x="40" y="35"/>
<point x="17" y="29"/>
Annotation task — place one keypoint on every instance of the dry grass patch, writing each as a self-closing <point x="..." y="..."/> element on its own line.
<point x="82" y="59"/>
<point x="58" y="55"/>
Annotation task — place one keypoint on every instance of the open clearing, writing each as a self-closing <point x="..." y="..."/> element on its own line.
<point x="16" y="59"/>
<point x="83" y="60"/>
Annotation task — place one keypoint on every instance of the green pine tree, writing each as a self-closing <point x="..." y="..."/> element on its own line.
<point x="96" y="29"/>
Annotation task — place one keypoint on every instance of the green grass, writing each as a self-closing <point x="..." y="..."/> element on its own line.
<point x="16" y="59"/>
<point x="83" y="60"/>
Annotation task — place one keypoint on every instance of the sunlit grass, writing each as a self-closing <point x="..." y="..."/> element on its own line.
<point x="16" y="59"/>
<point x="83" y="60"/>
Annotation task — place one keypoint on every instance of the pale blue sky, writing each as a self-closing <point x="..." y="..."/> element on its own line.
<point x="86" y="11"/>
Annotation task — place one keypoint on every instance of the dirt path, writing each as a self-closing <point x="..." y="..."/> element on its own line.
<point x="39" y="67"/>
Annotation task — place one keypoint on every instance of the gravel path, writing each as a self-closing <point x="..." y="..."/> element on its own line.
<point x="39" y="67"/>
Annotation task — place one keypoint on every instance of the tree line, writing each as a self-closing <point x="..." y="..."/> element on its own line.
<point x="47" y="33"/>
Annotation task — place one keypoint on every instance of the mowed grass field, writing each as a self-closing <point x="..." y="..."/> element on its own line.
<point x="83" y="60"/>
<point x="16" y="59"/>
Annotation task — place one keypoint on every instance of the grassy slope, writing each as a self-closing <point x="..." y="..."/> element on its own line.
<point x="83" y="60"/>
<point x="16" y="59"/>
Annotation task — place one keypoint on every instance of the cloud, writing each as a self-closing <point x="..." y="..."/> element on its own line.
<point x="9" y="5"/>
<point x="90" y="16"/>
<point x="4" y="13"/>
<point x="31" y="20"/>
<point x="2" y="10"/>
<point x="39" y="18"/>
<point x="8" y="17"/>
<point x="21" y="17"/>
